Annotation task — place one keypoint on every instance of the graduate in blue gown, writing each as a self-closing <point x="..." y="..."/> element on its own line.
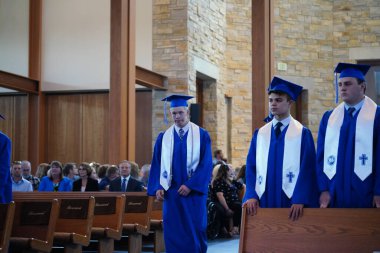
<point x="348" y="150"/>
<point x="5" y="165"/>
<point x="280" y="168"/>
<point x="180" y="173"/>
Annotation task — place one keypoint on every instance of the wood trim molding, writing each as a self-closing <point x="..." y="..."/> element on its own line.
<point x="19" y="83"/>
<point x="150" y="79"/>
<point x="36" y="101"/>
<point x="262" y="58"/>
<point x="35" y="31"/>
<point x="121" y="144"/>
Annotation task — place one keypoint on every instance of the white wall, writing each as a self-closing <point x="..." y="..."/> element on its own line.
<point x="75" y="41"/>
<point x="75" y="45"/>
<point x="144" y="33"/>
<point x="14" y="36"/>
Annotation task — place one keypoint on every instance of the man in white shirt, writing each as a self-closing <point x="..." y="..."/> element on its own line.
<point x="19" y="184"/>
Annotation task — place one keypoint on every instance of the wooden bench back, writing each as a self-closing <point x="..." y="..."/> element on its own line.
<point x="75" y="214"/>
<point x="7" y="212"/>
<point x="109" y="208"/>
<point x="156" y="210"/>
<point x="36" y="219"/>
<point x="318" y="230"/>
<point x="138" y="208"/>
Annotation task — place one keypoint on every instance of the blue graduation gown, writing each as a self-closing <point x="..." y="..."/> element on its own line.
<point x="184" y="218"/>
<point x="5" y="177"/>
<point x="346" y="188"/>
<point x="305" y="191"/>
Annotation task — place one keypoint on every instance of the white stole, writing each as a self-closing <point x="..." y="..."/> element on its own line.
<point x="363" y="140"/>
<point x="292" y="157"/>
<point x="192" y="156"/>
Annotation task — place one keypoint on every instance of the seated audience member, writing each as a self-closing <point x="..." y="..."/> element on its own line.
<point x="144" y="174"/>
<point x="19" y="184"/>
<point x="111" y="174"/>
<point x="135" y="170"/>
<point x="95" y="167"/>
<point x="102" y="171"/>
<point x="125" y="182"/>
<point x="42" y="170"/>
<point x="241" y="175"/>
<point x="227" y="195"/>
<point x="27" y="174"/>
<point x="68" y="171"/>
<point x="55" y="181"/>
<point x="218" y="157"/>
<point x="85" y="183"/>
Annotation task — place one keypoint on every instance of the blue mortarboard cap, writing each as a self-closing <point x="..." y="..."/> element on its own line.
<point x="349" y="70"/>
<point x="176" y="100"/>
<point x="281" y="85"/>
<point x="352" y="70"/>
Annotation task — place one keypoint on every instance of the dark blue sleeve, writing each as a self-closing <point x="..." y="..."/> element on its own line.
<point x="200" y="180"/>
<point x="5" y="178"/>
<point x="67" y="185"/>
<point x="306" y="190"/>
<point x="154" y="175"/>
<point x="41" y="187"/>
<point x="322" y="179"/>
<point x="250" y="172"/>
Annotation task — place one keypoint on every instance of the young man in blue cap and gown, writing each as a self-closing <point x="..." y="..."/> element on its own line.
<point x="5" y="165"/>
<point x="280" y="170"/>
<point x="348" y="150"/>
<point x="180" y="173"/>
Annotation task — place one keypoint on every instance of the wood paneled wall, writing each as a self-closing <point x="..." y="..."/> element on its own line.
<point x="15" y="109"/>
<point x="77" y="127"/>
<point x="143" y="127"/>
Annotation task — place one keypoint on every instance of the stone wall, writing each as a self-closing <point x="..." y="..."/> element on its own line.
<point x="170" y="54"/>
<point x="303" y="36"/>
<point x="311" y="37"/>
<point x="219" y="33"/>
<point x="239" y="76"/>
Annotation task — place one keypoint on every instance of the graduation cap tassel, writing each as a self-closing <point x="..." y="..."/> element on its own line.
<point x="165" y="116"/>
<point x="336" y="88"/>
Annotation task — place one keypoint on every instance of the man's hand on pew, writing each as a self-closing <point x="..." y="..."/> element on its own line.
<point x="252" y="206"/>
<point x="160" y="195"/>
<point x="296" y="211"/>
<point x="324" y="199"/>
<point x="376" y="201"/>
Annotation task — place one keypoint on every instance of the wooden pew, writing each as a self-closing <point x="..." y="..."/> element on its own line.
<point x="156" y="226"/>
<point x="33" y="225"/>
<point x="318" y="230"/>
<point x="107" y="224"/>
<point x="136" y="222"/>
<point x="6" y="221"/>
<point x="73" y="228"/>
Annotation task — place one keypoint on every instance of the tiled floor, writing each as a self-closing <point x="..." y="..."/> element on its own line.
<point x="224" y="245"/>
